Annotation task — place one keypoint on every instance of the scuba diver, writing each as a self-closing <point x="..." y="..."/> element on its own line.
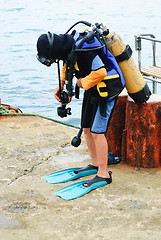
<point x="85" y="56"/>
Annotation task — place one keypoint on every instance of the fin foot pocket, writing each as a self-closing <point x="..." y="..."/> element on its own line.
<point x="97" y="179"/>
<point x="89" y="167"/>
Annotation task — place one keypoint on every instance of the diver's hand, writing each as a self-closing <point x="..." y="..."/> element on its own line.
<point x="79" y="83"/>
<point x="57" y="94"/>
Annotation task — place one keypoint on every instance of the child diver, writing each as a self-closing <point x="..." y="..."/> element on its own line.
<point x="98" y="73"/>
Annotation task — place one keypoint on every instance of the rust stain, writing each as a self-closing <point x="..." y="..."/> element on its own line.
<point x="143" y="134"/>
<point x="135" y="133"/>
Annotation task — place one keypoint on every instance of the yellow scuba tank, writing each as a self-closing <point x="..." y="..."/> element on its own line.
<point x="135" y="84"/>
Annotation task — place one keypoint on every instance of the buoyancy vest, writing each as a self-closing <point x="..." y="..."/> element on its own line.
<point x="113" y="83"/>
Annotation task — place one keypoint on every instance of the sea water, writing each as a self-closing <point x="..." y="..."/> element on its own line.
<point x="29" y="85"/>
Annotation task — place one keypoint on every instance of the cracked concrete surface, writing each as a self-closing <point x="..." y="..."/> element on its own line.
<point x="31" y="147"/>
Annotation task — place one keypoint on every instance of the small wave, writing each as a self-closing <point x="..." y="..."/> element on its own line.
<point x="13" y="9"/>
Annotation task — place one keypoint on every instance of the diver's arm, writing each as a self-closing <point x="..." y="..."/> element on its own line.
<point x="92" y="79"/>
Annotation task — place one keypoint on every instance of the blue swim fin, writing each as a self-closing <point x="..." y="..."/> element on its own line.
<point x="78" y="189"/>
<point x="70" y="174"/>
<point x="75" y="173"/>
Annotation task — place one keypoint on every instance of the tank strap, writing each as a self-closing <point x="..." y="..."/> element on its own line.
<point x="127" y="53"/>
<point x="103" y="103"/>
<point x="76" y="91"/>
<point x="103" y="106"/>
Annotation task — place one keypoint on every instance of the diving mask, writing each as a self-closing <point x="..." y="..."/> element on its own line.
<point x="46" y="61"/>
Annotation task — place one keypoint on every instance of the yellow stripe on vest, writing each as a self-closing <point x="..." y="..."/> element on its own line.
<point x="112" y="76"/>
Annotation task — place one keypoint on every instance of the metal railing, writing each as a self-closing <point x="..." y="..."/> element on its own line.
<point x="138" y="47"/>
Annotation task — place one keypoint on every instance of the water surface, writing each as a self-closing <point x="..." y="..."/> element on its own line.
<point x="27" y="84"/>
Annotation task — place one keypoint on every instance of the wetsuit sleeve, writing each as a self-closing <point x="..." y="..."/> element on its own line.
<point x="97" y="74"/>
<point x="62" y="75"/>
<point x="93" y="78"/>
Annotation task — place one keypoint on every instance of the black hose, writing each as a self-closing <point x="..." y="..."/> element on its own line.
<point x="59" y="78"/>
<point x="84" y="22"/>
<point x="76" y="141"/>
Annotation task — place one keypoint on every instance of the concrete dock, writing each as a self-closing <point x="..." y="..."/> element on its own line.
<point x="31" y="147"/>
